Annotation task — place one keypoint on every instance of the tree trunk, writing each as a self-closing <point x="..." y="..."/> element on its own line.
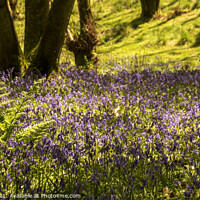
<point x="83" y="59"/>
<point x="84" y="46"/>
<point x="88" y="35"/>
<point x="36" y="14"/>
<point x="149" y="8"/>
<point x="9" y="44"/>
<point x="85" y="14"/>
<point x="50" y="46"/>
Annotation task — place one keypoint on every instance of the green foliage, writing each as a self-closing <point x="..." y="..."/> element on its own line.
<point x="8" y="120"/>
<point x="35" y="132"/>
<point x="12" y="110"/>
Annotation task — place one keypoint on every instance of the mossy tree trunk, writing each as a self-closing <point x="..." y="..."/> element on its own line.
<point x="50" y="46"/>
<point x="149" y="8"/>
<point x="9" y="44"/>
<point x="36" y="14"/>
<point x="85" y="14"/>
<point x="84" y="45"/>
<point x="88" y="34"/>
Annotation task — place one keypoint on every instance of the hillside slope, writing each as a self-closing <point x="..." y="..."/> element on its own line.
<point x="172" y="36"/>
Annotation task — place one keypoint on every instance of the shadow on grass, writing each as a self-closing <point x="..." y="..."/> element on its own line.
<point x="104" y="16"/>
<point x="108" y="50"/>
<point x="161" y="52"/>
<point x="174" y="51"/>
<point x="191" y="19"/>
<point x="197" y="41"/>
<point x="170" y="4"/>
<point x="128" y="44"/>
<point x="120" y="16"/>
<point x="164" y="22"/>
<point x="138" y="21"/>
<point x="120" y="31"/>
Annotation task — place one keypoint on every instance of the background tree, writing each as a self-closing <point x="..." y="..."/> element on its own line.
<point x="36" y="14"/>
<point x="49" y="49"/>
<point x="84" y="45"/>
<point x="149" y="8"/>
<point x="9" y="44"/>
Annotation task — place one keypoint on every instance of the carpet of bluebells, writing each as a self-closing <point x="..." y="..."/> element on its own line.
<point x="128" y="135"/>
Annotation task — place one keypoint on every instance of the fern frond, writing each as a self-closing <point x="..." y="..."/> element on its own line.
<point x="12" y="114"/>
<point x="35" y="132"/>
<point x="9" y="117"/>
<point x="6" y="102"/>
<point x="5" y="94"/>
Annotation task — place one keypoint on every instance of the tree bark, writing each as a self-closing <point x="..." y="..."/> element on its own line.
<point x="50" y="46"/>
<point x="149" y="8"/>
<point x="84" y="46"/>
<point x="87" y="34"/>
<point x="85" y="14"/>
<point x="36" y="14"/>
<point x="9" y="44"/>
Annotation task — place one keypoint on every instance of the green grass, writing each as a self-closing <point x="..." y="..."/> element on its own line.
<point x="171" y="38"/>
